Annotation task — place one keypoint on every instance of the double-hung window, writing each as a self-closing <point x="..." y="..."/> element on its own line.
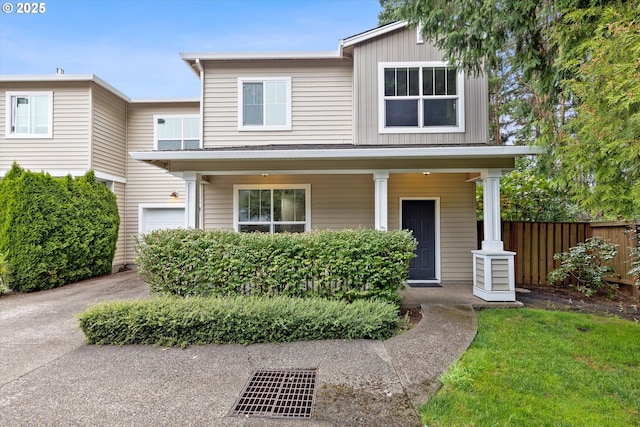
<point x="264" y="103"/>
<point x="177" y="132"/>
<point x="29" y="115"/>
<point x="423" y="97"/>
<point x="272" y="209"/>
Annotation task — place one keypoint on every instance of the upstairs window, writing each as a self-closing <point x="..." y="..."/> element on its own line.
<point x="29" y="115"/>
<point x="177" y="132"/>
<point x="420" y="98"/>
<point x="277" y="209"/>
<point x="264" y="103"/>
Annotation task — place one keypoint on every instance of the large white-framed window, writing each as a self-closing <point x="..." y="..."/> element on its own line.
<point x="272" y="208"/>
<point x="420" y="97"/>
<point x="264" y="103"/>
<point x="29" y="114"/>
<point x="176" y="131"/>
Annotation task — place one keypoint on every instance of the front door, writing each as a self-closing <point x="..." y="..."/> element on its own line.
<point x="419" y="216"/>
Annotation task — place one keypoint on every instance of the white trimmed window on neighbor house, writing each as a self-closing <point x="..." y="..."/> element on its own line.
<point x="277" y="209"/>
<point x="176" y="132"/>
<point x="29" y="114"/>
<point x="425" y="97"/>
<point x="264" y="103"/>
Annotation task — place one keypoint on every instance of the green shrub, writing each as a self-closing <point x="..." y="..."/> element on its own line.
<point x="4" y="273"/>
<point x="55" y="230"/>
<point x="586" y="263"/>
<point x="241" y="320"/>
<point x="347" y="265"/>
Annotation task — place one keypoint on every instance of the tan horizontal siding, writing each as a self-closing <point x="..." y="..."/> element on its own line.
<point x="401" y="46"/>
<point x="457" y="216"/>
<point x="108" y="132"/>
<point x="337" y="201"/>
<point x="69" y="147"/>
<point x="147" y="183"/>
<point x="321" y="98"/>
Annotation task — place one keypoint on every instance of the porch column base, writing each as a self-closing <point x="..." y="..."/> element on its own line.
<point x="494" y="275"/>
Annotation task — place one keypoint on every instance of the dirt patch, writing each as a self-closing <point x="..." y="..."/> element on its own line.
<point x="412" y="315"/>
<point x="618" y="304"/>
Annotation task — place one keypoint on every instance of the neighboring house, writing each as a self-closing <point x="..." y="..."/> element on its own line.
<point x="380" y="133"/>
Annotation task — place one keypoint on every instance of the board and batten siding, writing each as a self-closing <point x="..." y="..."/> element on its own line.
<point x="147" y="183"/>
<point x="108" y="129"/>
<point x="68" y="149"/>
<point x="401" y="46"/>
<point x="457" y="216"/>
<point x="321" y="102"/>
<point x="337" y="201"/>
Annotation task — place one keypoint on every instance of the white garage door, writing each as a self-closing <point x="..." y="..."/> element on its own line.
<point x="158" y="218"/>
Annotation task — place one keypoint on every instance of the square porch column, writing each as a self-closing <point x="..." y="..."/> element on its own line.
<point x="192" y="199"/>
<point x="493" y="267"/>
<point x="380" y="179"/>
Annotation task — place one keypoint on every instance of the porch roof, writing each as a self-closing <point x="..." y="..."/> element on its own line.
<point x="336" y="157"/>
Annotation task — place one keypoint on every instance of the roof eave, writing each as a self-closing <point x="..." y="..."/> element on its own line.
<point x="342" y="154"/>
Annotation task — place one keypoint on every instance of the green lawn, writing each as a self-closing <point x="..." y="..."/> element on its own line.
<point x="543" y="368"/>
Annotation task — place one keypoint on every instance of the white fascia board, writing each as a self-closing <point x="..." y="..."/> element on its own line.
<point x="64" y="78"/>
<point x="231" y="56"/>
<point x="362" y="153"/>
<point x="376" y="32"/>
<point x="164" y="100"/>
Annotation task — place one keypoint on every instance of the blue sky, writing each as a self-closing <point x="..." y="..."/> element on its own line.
<point x="134" y="45"/>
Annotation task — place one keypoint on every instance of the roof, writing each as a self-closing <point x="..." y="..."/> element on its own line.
<point x="64" y="78"/>
<point x="373" y="33"/>
<point x="193" y="58"/>
<point x="338" y="151"/>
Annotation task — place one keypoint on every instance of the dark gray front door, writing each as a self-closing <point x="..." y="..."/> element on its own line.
<point x="419" y="216"/>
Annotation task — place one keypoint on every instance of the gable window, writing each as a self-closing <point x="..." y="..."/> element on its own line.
<point x="420" y="98"/>
<point x="29" y="115"/>
<point x="264" y="103"/>
<point x="177" y="132"/>
<point x="277" y="209"/>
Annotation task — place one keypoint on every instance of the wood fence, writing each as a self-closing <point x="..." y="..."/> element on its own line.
<point x="535" y="243"/>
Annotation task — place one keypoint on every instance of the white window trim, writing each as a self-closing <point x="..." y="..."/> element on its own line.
<point x="241" y="125"/>
<point x="175" y="116"/>
<point x="142" y="207"/>
<point x="419" y="37"/>
<point x="438" y="278"/>
<point x="307" y="201"/>
<point x="430" y="129"/>
<point x="9" y="115"/>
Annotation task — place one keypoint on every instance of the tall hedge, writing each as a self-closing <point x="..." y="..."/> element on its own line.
<point x="346" y="265"/>
<point x="55" y="231"/>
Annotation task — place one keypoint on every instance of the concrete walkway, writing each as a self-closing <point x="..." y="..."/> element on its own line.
<point x="49" y="377"/>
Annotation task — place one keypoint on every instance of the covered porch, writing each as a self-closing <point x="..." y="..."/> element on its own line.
<point x="429" y="190"/>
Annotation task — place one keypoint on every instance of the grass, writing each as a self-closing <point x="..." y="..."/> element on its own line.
<point x="531" y="367"/>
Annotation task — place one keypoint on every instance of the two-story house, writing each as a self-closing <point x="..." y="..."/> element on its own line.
<point x="380" y="133"/>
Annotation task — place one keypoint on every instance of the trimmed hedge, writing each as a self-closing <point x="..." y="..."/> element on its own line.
<point x="55" y="231"/>
<point x="173" y="321"/>
<point x="346" y="265"/>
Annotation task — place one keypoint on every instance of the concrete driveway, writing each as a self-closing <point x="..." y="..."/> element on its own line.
<point x="50" y="377"/>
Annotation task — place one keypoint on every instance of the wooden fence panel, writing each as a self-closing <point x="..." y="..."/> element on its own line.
<point x="618" y="234"/>
<point x="536" y="243"/>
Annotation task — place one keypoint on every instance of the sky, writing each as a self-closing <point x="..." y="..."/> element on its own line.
<point x="135" y="45"/>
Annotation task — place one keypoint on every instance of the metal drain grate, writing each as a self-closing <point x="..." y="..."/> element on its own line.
<point x="287" y="393"/>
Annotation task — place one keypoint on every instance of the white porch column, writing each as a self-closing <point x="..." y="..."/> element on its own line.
<point x="380" y="179"/>
<point x="493" y="267"/>
<point x="491" y="209"/>
<point x="192" y="199"/>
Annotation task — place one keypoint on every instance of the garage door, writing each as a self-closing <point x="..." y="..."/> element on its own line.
<point x="158" y="218"/>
